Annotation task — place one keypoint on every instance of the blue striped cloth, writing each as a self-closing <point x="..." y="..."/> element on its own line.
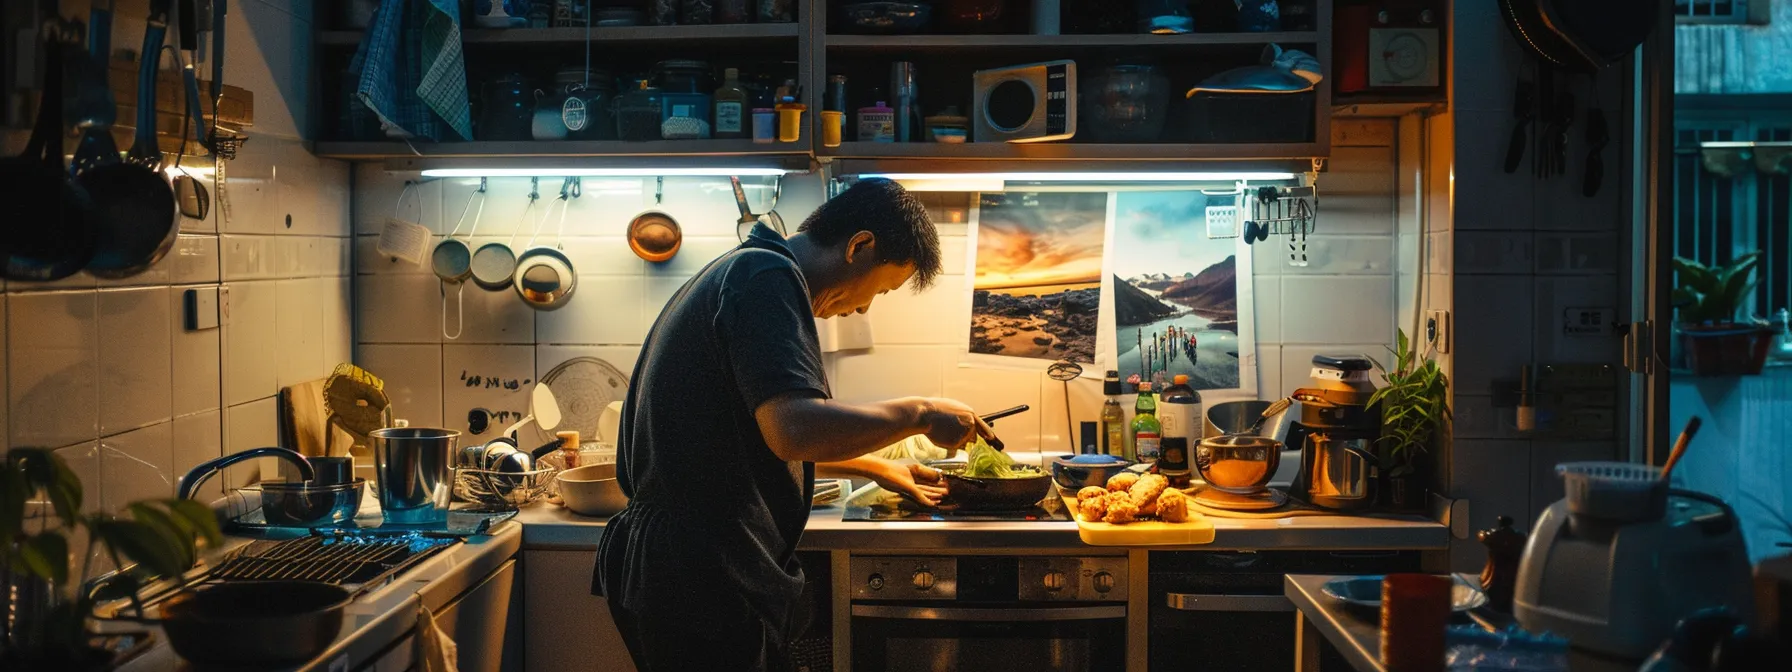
<point x="412" y="74"/>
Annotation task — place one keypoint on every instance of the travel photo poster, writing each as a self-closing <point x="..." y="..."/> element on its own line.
<point x="1036" y="275"/>
<point x="1178" y="294"/>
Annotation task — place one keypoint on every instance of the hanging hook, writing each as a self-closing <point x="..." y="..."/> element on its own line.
<point x="659" y="190"/>
<point x="534" y="188"/>
<point x="566" y="187"/>
<point x="482" y="185"/>
<point x="578" y="186"/>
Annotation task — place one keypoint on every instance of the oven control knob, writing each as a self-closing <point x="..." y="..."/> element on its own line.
<point x="922" y="579"/>
<point x="1054" y="581"/>
<point x="1104" y="581"/>
<point x="875" y="582"/>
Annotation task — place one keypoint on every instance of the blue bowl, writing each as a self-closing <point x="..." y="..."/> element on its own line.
<point x="1073" y="475"/>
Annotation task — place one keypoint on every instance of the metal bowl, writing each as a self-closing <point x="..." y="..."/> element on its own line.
<point x="1077" y="475"/>
<point x="308" y="504"/>
<point x="1239" y="464"/>
<point x="592" y="490"/>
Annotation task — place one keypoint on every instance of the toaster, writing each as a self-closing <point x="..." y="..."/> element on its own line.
<point x="1035" y="102"/>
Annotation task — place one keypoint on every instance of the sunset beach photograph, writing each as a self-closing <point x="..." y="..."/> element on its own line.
<point x="1036" y="290"/>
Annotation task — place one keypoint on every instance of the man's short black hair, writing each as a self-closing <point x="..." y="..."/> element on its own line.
<point x="904" y="232"/>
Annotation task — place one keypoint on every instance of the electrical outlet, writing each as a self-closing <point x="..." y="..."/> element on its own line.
<point x="1437" y="330"/>
<point x="200" y="308"/>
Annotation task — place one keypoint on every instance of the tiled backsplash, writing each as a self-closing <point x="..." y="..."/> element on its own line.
<point x="1344" y="301"/>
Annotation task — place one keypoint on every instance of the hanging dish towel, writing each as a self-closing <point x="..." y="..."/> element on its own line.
<point x="436" y="651"/>
<point x="444" y="82"/>
<point x="406" y="37"/>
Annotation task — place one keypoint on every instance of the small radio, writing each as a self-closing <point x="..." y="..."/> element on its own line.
<point x="1025" y="103"/>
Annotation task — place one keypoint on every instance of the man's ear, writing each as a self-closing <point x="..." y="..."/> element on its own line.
<point x="862" y="244"/>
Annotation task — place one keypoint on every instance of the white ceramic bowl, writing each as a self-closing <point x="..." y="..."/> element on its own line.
<point x="592" y="490"/>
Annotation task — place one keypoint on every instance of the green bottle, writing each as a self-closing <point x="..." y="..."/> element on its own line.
<point x="1147" y="432"/>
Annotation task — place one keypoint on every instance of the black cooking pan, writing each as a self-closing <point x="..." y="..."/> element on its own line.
<point x="51" y="235"/>
<point x="134" y="202"/>
<point x="967" y="493"/>
<point x="1579" y="35"/>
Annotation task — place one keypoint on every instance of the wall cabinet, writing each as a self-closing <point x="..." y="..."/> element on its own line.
<point x="565" y="627"/>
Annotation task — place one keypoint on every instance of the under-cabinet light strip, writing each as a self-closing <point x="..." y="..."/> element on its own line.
<point x="602" y="172"/>
<point x="1089" y="177"/>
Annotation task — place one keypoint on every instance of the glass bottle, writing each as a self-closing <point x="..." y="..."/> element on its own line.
<point x="1113" y="419"/>
<point x="1180" y="412"/>
<point x="731" y="106"/>
<point x="1147" y="432"/>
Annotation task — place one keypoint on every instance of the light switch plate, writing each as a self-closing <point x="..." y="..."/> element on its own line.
<point x="199" y="308"/>
<point x="1589" y="322"/>
<point x="1437" y="330"/>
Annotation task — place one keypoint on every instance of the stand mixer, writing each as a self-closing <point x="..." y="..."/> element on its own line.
<point x="1336" y="435"/>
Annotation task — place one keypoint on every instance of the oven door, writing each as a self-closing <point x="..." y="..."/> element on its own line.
<point x="890" y="637"/>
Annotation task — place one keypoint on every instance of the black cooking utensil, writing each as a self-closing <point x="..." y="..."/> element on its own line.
<point x="94" y="101"/>
<point x="1524" y="112"/>
<point x="137" y="223"/>
<point x="1565" y="111"/>
<point x="1597" y="138"/>
<point x="190" y="194"/>
<point x="991" y="418"/>
<point x="58" y="240"/>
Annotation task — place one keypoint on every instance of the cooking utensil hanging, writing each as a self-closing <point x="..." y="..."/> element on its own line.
<point x="59" y="241"/>
<point x="494" y="263"/>
<point x="95" y="96"/>
<point x="190" y="194"/>
<point x="1581" y="36"/>
<point x="401" y="238"/>
<point x="545" y="278"/>
<point x="744" y="226"/>
<point x="452" y="261"/>
<point x="137" y="222"/>
<point x="654" y="235"/>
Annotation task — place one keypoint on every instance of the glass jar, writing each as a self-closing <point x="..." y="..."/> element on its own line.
<point x="1125" y="102"/>
<point x="587" y="103"/>
<point x="683" y="77"/>
<point x="638" y="112"/>
<point x="509" y="108"/>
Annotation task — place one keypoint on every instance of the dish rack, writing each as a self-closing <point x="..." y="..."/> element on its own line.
<point x="502" y="490"/>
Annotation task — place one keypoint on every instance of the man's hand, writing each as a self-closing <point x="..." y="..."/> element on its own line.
<point x="921" y="483"/>
<point x="950" y="424"/>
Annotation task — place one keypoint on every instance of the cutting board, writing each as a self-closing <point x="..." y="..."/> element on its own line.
<point x="1194" y="531"/>
<point x="303" y="421"/>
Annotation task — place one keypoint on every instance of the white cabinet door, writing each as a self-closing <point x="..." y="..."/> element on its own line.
<point x="479" y="621"/>
<point x="565" y="627"/>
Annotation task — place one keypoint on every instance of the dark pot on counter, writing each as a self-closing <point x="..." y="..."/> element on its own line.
<point x="965" y="493"/>
<point x="255" y="623"/>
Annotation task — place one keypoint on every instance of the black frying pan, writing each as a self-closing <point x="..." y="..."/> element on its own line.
<point x="52" y="237"/>
<point x="136" y="218"/>
<point x="1579" y="35"/>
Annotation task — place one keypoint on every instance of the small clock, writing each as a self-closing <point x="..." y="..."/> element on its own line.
<point x="1403" y="57"/>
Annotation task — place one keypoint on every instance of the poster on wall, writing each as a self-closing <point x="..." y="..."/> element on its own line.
<point x="1036" y="275"/>
<point x="1178" y="295"/>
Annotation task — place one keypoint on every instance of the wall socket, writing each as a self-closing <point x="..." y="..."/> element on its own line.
<point x="200" y="308"/>
<point x="1437" y="330"/>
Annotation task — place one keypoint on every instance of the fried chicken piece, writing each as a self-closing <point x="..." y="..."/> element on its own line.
<point x="1172" y="506"/>
<point x="1148" y="509"/>
<point x="1090" y="492"/>
<point x="1093" y="509"/>
<point x="1122" y="481"/>
<point x="1148" y="488"/>
<point x="1121" y="512"/>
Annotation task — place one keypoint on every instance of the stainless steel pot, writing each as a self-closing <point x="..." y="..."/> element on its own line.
<point x="415" y="467"/>
<point x="1239" y="464"/>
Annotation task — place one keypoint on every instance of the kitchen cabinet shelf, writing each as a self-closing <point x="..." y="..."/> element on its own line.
<point x="744" y="34"/>
<point x="376" y="150"/>
<point x="977" y="42"/>
<point x="1059" y="151"/>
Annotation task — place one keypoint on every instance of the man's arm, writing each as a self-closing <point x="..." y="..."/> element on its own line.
<point x="921" y="483"/>
<point x="801" y="426"/>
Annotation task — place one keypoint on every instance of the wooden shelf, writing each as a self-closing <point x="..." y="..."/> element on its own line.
<point x="370" y="151"/>
<point x="1069" y="151"/>
<point x="972" y="42"/>
<point x="633" y="36"/>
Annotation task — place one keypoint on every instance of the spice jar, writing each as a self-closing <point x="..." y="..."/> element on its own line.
<point x="638" y="113"/>
<point x="509" y="109"/>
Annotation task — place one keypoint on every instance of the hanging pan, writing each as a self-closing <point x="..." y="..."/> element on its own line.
<point x="653" y="234"/>
<point x="137" y="222"/>
<point x="771" y="218"/>
<point x="1578" y="35"/>
<point x="452" y="262"/>
<point x="494" y="264"/>
<point x="544" y="275"/>
<point x="59" y="240"/>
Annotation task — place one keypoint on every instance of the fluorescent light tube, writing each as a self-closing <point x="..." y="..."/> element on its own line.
<point x="1089" y="177"/>
<point x="602" y="172"/>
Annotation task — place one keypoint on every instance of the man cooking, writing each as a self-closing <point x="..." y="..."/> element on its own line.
<point x="729" y="418"/>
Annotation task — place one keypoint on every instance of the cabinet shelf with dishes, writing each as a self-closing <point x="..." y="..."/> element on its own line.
<point x="744" y="34"/>
<point x="1132" y="97"/>
<point x="564" y="149"/>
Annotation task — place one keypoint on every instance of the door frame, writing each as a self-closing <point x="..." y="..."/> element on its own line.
<point x="1653" y="227"/>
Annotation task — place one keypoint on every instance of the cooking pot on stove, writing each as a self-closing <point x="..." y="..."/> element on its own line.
<point x="969" y="493"/>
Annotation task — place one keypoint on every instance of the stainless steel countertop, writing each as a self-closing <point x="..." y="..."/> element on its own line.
<point x="550" y="526"/>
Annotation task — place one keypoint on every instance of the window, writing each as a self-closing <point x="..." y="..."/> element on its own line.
<point x="1721" y="11"/>
<point x="1723" y="211"/>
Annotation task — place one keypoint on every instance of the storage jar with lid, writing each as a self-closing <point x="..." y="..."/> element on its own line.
<point x="587" y="103"/>
<point x="638" y="112"/>
<point x="1125" y="102"/>
<point x="509" y="109"/>
<point x="683" y="76"/>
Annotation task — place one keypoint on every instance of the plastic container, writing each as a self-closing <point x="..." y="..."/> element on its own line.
<point x="877" y="123"/>
<point x="831" y="123"/>
<point x="790" y="121"/>
<point x="765" y="125"/>
<point x="680" y="105"/>
<point x="1619" y="492"/>
<point x="638" y="113"/>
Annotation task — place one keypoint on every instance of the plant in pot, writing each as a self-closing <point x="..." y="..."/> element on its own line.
<point x="1715" y="341"/>
<point x="1414" y="403"/>
<point x="40" y="513"/>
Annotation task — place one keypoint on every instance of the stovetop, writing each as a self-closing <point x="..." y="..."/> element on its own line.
<point x="909" y="515"/>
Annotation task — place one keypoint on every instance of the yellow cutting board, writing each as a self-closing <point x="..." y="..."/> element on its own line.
<point x="1194" y="531"/>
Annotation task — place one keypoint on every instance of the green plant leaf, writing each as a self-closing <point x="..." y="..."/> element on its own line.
<point x="142" y="543"/>
<point x="171" y="528"/>
<point x="201" y="517"/>
<point x="45" y="555"/>
<point x="1695" y="275"/>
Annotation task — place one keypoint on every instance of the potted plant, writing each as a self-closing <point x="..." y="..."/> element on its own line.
<point x="157" y="538"/>
<point x="1715" y="341"/>
<point x="1413" y="405"/>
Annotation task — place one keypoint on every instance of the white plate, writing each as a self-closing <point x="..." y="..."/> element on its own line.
<point x="1365" y="591"/>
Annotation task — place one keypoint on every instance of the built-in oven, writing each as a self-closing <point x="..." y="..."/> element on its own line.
<point x="1045" y="614"/>
<point x="1225" y="611"/>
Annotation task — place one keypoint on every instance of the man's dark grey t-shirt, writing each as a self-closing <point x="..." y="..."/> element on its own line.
<point x="710" y="506"/>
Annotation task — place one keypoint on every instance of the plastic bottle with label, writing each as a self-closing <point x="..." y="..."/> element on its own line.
<point x="731" y="107"/>
<point x="1147" y="432"/>
<point x="1179" y="409"/>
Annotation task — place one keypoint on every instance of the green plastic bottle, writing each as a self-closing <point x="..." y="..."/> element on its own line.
<point x="1147" y="432"/>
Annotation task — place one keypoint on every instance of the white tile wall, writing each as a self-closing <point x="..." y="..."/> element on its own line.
<point x="1494" y="476"/>
<point x="413" y="377"/>
<point x="493" y="378"/>
<point x="136" y="358"/>
<point x="53" y="367"/>
<point x="198" y="438"/>
<point x="138" y="465"/>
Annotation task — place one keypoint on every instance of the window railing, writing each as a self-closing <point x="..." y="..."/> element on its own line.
<point x="1721" y="11"/>
<point x="1733" y="194"/>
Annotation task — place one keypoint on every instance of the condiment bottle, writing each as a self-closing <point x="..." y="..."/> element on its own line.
<point x="731" y="106"/>
<point x="1113" y="418"/>
<point x="1180" y="410"/>
<point x="1147" y="432"/>
<point x="569" y="447"/>
<point x="1499" y="578"/>
<point x="877" y="123"/>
